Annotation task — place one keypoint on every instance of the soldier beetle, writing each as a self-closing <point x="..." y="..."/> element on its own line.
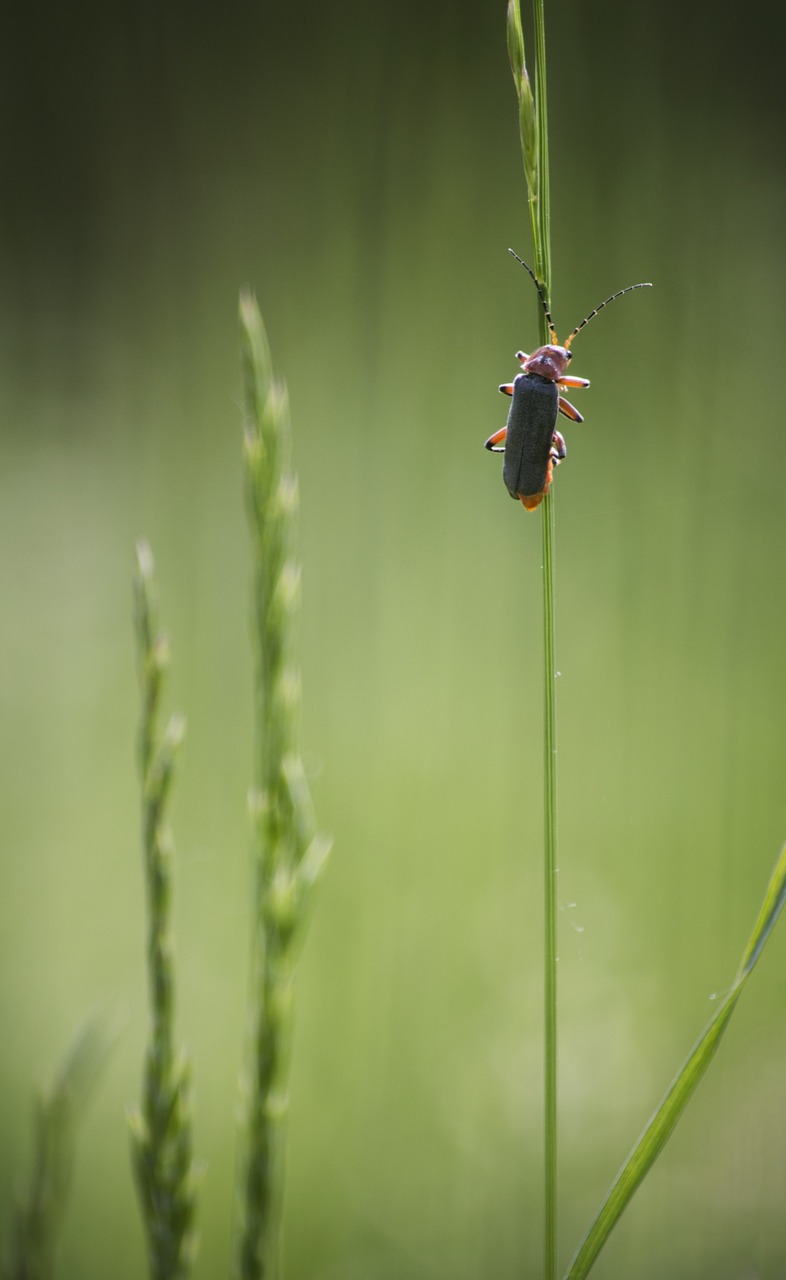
<point x="529" y="440"/>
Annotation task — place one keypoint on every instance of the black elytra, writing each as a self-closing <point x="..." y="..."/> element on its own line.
<point x="529" y="432"/>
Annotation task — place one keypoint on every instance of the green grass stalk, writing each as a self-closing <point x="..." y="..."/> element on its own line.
<point x="288" y="853"/>
<point x="161" y="1140"/>
<point x="533" y="130"/>
<point x="550" y="894"/>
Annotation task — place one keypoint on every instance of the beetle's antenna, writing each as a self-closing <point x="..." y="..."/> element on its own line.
<point x="541" y="295"/>
<point x="629" y="289"/>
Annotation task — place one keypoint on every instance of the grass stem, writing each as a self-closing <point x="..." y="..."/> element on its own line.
<point x="533" y="128"/>
<point x="550" y="895"/>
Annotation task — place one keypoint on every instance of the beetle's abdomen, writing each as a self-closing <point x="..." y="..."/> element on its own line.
<point x="530" y="429"/>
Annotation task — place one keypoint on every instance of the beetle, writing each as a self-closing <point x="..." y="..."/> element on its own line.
<point x="529" y="440"/>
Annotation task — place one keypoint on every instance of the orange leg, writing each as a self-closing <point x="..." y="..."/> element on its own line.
<point x="507" y="388"/>
<point x="496" y="440"/>
<point x="570" y="381"/>
<point x="567" y="408"/>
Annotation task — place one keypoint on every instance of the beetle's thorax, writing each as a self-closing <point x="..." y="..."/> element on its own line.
<point x="550" y="362"/>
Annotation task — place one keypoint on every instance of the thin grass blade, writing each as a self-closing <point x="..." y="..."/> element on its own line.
<point x="664" y="1119"/>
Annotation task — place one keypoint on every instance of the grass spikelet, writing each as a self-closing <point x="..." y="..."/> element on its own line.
<point x="288" y="852"/>
<point x="161" y="1142"/>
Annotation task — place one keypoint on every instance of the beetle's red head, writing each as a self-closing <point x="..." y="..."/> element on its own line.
<point x="550" y="362"/>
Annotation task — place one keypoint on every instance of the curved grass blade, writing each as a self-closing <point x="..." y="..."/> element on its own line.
<point x="664" y="1119"/>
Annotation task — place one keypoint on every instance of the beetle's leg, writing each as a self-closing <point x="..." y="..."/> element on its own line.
<point x="506" y="388"/>
<point x="558" y="449"/>
<point x="567" y="408"/>
<point x="521" y="356"/>
<point x="496" y="440"/>
<point x="572" y="382"/>
<point x="549" y="476"/>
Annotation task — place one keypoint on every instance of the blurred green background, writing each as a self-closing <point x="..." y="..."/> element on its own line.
<point x="358" y="165"/>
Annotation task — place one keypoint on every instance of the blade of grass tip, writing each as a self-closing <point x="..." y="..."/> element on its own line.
<point x="664" y="1119"/>
<point x="770" y="910"/>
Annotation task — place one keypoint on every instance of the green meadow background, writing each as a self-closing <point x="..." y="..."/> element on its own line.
<point x="358" y="165"/>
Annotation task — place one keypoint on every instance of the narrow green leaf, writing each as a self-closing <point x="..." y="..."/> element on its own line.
<point x="529" y="133"/>
<point x="527" y="114"/>
<point x="515" y="41"/>
<point x="664" y="1119"/>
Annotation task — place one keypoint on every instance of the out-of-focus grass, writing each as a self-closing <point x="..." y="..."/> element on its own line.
<point x="39" y="1208"/>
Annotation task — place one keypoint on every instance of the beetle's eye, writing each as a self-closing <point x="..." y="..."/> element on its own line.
<point x="568" y="355"/>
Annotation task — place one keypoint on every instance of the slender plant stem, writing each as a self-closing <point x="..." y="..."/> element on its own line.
<point x="533" y="129"/>
<point x="550" y="894"/>
<point x="541" y="209"/>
